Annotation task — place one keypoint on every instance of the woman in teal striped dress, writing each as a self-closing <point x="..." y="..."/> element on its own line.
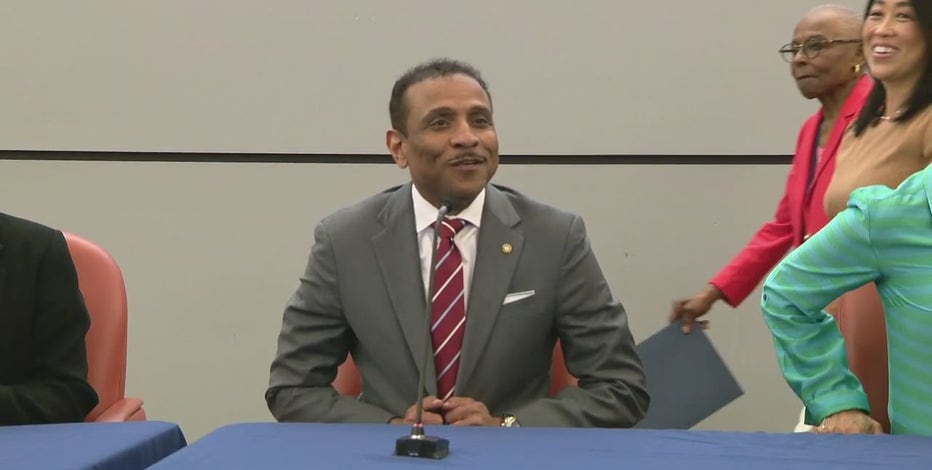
<point x="884" y="237"/>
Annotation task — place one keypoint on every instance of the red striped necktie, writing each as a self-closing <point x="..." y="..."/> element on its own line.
<point x="448" y="315"/>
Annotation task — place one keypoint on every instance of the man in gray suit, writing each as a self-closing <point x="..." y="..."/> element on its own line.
<point x="522" y="276"/>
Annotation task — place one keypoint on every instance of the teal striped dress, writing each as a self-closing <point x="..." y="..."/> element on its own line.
<point x="884" y="236"/>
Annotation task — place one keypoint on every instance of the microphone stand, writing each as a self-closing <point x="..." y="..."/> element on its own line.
<point x="417" y="444"/>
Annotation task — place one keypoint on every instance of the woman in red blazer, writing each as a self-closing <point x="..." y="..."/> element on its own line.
<point x="827" y="64"/>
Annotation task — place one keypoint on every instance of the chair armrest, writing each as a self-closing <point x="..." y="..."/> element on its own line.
<point x="122" y="410"/>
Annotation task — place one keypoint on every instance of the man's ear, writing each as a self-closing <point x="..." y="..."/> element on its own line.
<point x="395" y="141"/>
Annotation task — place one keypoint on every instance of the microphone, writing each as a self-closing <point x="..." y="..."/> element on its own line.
<point x="417" y="444"/>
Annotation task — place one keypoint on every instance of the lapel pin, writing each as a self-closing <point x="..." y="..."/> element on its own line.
<point x="506" y="248"/>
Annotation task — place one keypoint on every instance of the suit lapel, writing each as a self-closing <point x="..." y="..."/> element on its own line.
<point x="848" y="113"/>
<point x="399" y="261"/>
<point x="808" y="145"/>
<point x="831" y="145"/>
<point x="491" y="276"/>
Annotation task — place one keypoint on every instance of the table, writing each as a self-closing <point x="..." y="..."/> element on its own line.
<point x="360" y="446"/>
<point x="101" y="446"/>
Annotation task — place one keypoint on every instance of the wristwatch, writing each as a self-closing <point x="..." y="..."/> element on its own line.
<point x="510" y="421"/>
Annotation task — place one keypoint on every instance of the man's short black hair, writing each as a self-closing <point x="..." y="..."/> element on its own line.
<point x="435" y="68"/>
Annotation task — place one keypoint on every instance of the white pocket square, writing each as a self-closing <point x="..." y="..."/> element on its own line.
<point x="516" y="296"/>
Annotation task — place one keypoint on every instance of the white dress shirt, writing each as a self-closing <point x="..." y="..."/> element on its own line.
<point x="425" y="214"/>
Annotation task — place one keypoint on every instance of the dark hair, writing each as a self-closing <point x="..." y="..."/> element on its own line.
<point x="921" y="96"/>
<point x="435" y="68"/>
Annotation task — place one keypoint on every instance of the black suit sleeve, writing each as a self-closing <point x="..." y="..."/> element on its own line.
<point x="56" y="389"/>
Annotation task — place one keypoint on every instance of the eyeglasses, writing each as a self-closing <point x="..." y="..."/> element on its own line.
<point x="811" y="48"/>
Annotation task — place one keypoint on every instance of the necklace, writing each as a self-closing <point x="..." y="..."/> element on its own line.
<point x="891" y="116"/>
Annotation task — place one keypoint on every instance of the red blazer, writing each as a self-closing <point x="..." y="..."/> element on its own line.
<point x="800" y="212"/>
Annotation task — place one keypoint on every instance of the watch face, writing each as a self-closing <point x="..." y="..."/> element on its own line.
<point x="509" y="421"/>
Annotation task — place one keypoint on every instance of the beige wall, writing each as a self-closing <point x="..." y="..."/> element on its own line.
<point x="585" y="77"/>
<point x="211" y="252"/>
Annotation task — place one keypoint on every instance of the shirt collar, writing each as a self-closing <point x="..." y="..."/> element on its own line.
<point x="425" y="213"/>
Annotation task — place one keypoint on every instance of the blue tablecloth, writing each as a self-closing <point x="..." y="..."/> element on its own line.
<point x="99" y="446"/>
<point x="354" y="446"/>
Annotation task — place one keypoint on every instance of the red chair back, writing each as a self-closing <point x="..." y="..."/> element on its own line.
<point x="101" y="283"/>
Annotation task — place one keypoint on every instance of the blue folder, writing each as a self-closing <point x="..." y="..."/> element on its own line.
<point x="686" y="378"/>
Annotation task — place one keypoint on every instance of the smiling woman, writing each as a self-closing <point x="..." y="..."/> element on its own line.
<point x="600" y="77"/>
<point x="887" y="143"/>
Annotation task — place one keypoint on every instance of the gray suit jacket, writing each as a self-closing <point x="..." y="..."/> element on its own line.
<point x="362" y="293"/>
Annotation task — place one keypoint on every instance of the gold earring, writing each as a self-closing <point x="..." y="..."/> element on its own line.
<point x="857" y="68"/>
